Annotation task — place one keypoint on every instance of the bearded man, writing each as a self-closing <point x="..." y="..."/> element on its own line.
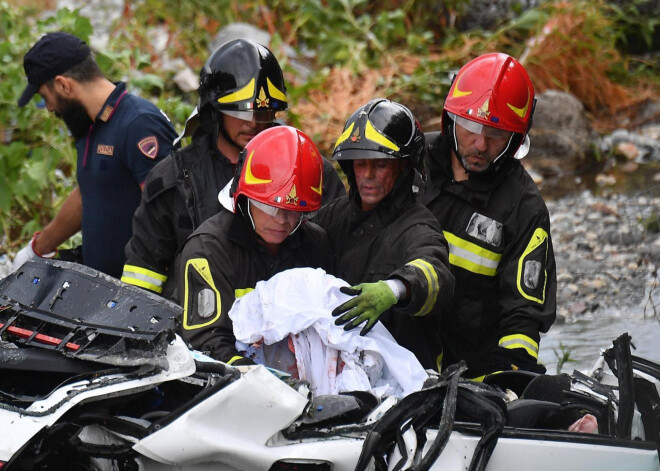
<point x="118" y="136"/>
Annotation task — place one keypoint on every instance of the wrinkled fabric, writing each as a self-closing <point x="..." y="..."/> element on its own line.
<point x="299" y="302"/>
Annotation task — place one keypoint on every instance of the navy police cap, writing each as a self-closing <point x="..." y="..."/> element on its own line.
<point x="52" y="55"/>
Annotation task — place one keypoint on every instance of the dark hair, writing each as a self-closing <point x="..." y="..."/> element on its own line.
<point x="86" y="71"/>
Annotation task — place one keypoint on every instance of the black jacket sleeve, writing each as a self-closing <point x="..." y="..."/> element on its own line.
<point x="151" y="250"/>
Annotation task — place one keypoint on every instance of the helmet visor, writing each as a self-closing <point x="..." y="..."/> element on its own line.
<point x="279" y="213"/>
<point x="477" y="128"/>
<point x="263" y="116"/>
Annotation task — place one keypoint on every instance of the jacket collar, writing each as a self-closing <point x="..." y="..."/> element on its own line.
<point x="241" y="232"/>
<point x="476" y="189"/>
<point x="111" y="104"/>
<point x="391" y="206"/>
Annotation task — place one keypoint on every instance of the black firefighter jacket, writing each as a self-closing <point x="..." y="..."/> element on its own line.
<point x="180" y="193"/>
<point x="400" y="239"/>
<point x="501" y="256"/>
<point x="222" y="261"/>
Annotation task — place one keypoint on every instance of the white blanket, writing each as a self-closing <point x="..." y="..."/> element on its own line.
<point x="298" y="303"/>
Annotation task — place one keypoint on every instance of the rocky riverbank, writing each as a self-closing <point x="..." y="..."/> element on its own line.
<point x="607" y="251"/>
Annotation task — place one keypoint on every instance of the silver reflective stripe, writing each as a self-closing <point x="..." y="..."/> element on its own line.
<point x="520" y="341"/>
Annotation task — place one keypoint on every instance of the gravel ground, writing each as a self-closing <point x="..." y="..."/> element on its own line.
<point x="607" y="251"/>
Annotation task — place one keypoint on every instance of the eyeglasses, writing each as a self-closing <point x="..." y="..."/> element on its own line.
<point x="264" y="116"/>
<point x="279" y="213"/>
<point x="477" y="128"/>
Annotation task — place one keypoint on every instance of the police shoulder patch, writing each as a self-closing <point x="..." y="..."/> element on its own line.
<point x="149" y="147"/>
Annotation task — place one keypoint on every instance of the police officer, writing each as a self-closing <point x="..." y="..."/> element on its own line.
<point x="277" y="188"/>
<point x="385" y="243"/>
<point x="119" y="137"/>
<point x="241" y="93"/>
<point x="494" y="218"/>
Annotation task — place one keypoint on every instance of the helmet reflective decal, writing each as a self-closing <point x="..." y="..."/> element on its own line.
<point x="521" y="111"/>
<point x="345" y="135"/>
<point x="274" y="91"/>
<point x="262" y="99"/>
<point x="371" y="133"/>
<point x="456" y="93"/>
<point x="244" y="93"/>
<point x="249" y="176"/>
<point x="318" y="189"/>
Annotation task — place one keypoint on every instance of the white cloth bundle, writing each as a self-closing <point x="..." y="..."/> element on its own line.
<point x="298" y="303"/>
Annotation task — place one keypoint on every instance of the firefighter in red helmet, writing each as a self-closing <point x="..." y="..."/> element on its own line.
<point x="494" y="218"/>
<point x="241" y="93"/>
<point x="263" y="231"/>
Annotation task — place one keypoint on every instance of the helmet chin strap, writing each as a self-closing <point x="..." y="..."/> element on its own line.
<point x="222" y="131"/>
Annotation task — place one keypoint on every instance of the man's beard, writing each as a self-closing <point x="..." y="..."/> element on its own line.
<point x="74" y="115"/>
<point x="466" y="165"/>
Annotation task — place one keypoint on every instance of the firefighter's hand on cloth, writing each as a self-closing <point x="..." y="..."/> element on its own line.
<point x="370" y="301"/>
<point x="28" y="253"/>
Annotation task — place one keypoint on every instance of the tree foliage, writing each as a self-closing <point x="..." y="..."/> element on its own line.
<point x="406" y="50"/>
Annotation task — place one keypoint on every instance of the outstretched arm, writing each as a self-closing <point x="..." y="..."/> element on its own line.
<point x="66" y="223"/>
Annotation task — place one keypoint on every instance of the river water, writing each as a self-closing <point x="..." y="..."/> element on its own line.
<point x="585" y="336"/>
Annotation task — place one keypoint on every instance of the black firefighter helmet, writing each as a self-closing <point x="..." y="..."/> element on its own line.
<point x="381" y="129"/>
<point x="243" y="79"/>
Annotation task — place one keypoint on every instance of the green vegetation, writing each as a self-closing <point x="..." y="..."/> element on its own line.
<point x="357" y="49"/>
<point x="563" y="356"/>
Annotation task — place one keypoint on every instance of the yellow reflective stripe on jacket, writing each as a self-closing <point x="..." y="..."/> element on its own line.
<point x="479" y="379"/>
<point x="138" y="276"/>
<point x="239" y="293"/>
<point x="538" y="238"/>
<point x="471" y="257"/>
<point x="234" y="358"/>
<point x="432" y="282"/>
<point x="201" y="266"/>
<point x="521" y="341"/>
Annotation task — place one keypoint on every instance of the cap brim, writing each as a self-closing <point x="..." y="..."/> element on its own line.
<point x="27" y="95"/>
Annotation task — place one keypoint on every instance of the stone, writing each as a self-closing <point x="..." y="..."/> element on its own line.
<point x="186" y="80"/>
<point x="561" y="135"/>
<point x="627" y="150"/>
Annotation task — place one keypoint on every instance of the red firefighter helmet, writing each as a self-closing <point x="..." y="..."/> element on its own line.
<point x="280" y="167"/>
<point x="493" y="90"/>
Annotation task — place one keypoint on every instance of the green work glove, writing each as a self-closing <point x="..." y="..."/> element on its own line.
<point x="370" y="301"/>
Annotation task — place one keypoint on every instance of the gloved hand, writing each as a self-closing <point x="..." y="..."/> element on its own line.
<point x="28" y="253"/>
<point x="370" y="301"/>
